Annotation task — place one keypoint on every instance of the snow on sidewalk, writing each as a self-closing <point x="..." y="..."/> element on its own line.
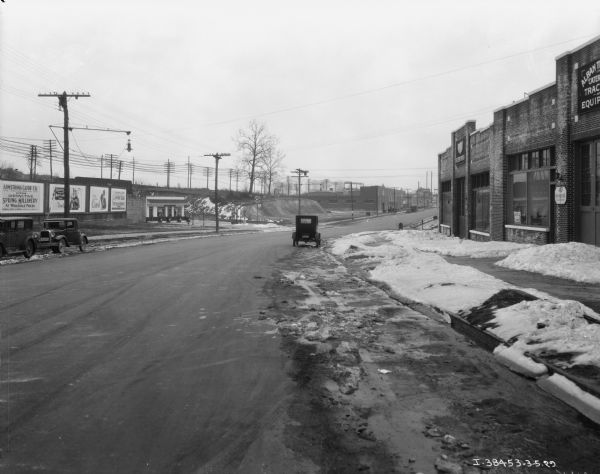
<point x="410" y="263"/>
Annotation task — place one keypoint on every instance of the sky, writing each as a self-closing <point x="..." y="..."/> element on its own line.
<point x="357" y="91"/>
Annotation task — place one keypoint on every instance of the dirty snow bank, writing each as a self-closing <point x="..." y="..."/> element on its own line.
<point x="410" y="263"/>
<point x="574" y="261"/>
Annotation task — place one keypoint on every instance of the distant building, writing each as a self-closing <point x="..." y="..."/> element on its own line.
<point x="533" y="175"/>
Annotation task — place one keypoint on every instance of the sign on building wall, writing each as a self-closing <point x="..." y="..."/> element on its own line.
<point x="118" y="200"/>
<point x="57" y="198"/>
<point x="98" y="199"/>
<point x="588" y="88"/>
<point x="460" y="149"/>
<point x="560" y="195"/>
<point x="18" y="197"/>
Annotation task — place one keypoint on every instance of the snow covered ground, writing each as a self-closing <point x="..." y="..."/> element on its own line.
<point x="410" y="263"/>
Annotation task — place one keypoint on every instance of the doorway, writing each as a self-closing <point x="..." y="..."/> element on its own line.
<point x="589" y="192"/>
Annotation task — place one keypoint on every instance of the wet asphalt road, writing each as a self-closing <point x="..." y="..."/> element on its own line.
<point x="138" y="359"/>
<point x="142" y="359"/>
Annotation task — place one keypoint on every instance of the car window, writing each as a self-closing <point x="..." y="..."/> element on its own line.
<point x="70" y="224"/>
<point x="305" y="220"/>
<point x="52" y="225"/>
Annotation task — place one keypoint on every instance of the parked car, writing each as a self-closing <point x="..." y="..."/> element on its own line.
<point x="306" y="230"/>
<point x="17" y="236"/>
<point x="61" y="232"/>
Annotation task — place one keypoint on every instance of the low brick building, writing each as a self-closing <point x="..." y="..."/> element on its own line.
<point x="533" y="175"/>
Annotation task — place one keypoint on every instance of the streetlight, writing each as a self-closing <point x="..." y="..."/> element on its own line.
<point x="217" y="157"/>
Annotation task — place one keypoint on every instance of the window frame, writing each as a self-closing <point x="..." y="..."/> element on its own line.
<point x="541" y="159"/>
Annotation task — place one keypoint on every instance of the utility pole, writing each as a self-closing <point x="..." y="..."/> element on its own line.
<point x="237" y="178"/>
<point x="188" y="174"/>
<point x="217" y="157"/>
<point x="120" y="166"/>
<point x="352" y="200"/>
<point x="102" y="167"/>
<point x="111" y="164"/>
<point x="133" y="178"/>
<point x="230" y="173"/>
<point x="50" y="154"/>
<point x="207" y="171"/>
<point x="168" y="165"/>
<point x="300" y="173"/>
<point x="62" y="103"/>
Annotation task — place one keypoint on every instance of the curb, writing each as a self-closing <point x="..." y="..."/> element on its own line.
<point x="573" y="391"/>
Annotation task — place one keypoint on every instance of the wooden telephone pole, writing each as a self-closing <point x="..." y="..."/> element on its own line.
<point x="62" y="103"/>
<point x="217" y="157"/>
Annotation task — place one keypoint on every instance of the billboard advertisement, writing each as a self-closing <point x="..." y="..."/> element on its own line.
<point x="57" y="198"/>
<point x="17" y="197"/>
<point x="118" y="200"/>
<point x="98" y="199"/>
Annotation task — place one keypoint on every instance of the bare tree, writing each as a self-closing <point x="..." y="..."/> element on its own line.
<point x="271" y="164"/>
<point x="254" y="143"/>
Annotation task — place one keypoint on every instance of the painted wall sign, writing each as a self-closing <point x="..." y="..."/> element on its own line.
<point x="460" y="149"/>
<point x="98" y="199"/>
<point x="560" y="195"/>
<point x="17" y="197"/>
<point x="118" y="200"/>
<point x="588" y="87"/>
<point x="57" y="198"/>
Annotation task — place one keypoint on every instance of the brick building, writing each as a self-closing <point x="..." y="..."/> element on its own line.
<point x="533" y="175"/>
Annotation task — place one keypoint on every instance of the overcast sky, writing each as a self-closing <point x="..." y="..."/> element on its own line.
<point x="367" y="91"/>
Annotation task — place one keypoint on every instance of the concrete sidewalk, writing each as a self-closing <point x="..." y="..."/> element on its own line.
<point x="586" y="293"/>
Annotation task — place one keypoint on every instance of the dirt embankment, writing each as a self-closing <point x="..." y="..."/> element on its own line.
<point x="282" y="209"/>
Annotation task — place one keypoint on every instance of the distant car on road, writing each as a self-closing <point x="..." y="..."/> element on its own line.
<point x="306" y="230"/>
<point x="17" y="236"/>
<point x="62" y="232"/>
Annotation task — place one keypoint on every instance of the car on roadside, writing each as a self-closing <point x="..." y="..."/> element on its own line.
<point x="17" y="236"/>
<point x="61" y="232"/>
<point x="306" y="230"/>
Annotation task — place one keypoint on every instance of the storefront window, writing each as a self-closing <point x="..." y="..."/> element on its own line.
<point x="538" y="204"/>
<point x="529" y="199"/>
<point x="519" y="197"/>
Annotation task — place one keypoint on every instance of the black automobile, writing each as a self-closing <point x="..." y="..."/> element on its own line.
<point x="17" y="236"/>
<point x="306" y="230"/>
<point x="62" y="232"/>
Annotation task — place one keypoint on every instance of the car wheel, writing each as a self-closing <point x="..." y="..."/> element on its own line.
<point x="29" y="249"/>
<point x="83" y="245"/>
<point x="60" y="246"/>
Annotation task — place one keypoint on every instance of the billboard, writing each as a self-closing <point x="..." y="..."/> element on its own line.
<point x="588" y="87"/>
<point x="57" y="198"/>
<point x="98" y="199"/>
<point x="18" y="197"/>
<point x="118" y="200"/>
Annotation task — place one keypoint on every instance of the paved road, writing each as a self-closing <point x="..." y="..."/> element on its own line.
<point x="138" y="359"/>
<point x="144" y="359"/>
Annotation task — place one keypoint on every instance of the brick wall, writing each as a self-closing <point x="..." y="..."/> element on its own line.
<point x="526" y="236"/>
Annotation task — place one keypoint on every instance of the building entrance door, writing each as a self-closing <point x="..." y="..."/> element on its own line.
<point x="459" y="208"/>
<point x="589" y="195"/>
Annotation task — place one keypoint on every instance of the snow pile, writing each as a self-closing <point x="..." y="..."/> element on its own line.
<point x="205" y="206"/>
<point x="410" y="263"/>
<point x="430" y="241"/>
<point x="575" y="261"/>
